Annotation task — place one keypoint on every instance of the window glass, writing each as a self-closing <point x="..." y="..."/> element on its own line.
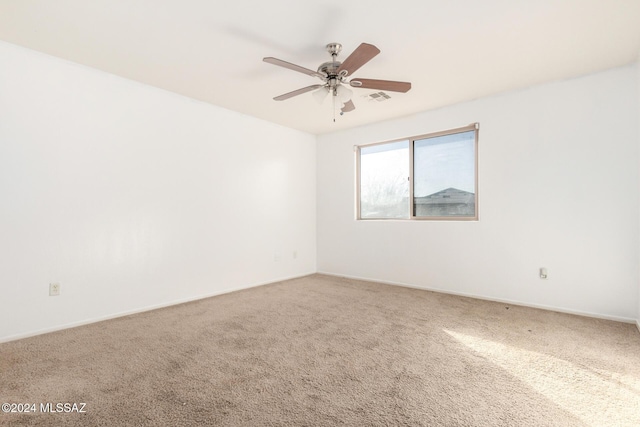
<point x="444" y="176"/>
<point x="384" y="180"/>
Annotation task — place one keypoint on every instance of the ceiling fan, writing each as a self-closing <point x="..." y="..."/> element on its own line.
<point x="335" y="75"/>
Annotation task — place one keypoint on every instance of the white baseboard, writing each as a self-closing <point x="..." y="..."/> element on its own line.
<point x="638" y="324"/>
<point x="142" y="309"/>
<point x="504" y="301"/>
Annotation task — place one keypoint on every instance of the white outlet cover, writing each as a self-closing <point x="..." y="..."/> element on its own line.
<point x="54" y="289"/>
<point x="543" y="273"/>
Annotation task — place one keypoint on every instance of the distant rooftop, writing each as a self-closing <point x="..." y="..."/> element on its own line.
<point x="447" y="196"/>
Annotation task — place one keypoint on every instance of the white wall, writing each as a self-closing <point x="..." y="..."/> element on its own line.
<point x="638" y="107"/>
<point x="558" y="188"/>
<point x="132" y="197"/>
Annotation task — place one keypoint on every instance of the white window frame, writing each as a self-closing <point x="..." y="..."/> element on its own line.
<point x="472" y="127"/>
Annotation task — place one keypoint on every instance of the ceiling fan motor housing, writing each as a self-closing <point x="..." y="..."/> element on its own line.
<point x="329" y="68"/>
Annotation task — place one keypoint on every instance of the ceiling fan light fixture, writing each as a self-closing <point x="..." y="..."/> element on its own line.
<point x="343" y="94"/>
<point x="320" y="94"/>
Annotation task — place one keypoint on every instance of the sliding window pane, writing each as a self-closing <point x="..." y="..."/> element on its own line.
<point x="384" y="180"/>
<point x="444" y="176"/>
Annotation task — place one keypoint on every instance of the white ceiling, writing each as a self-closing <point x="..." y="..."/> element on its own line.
<point x="451" y="50"/>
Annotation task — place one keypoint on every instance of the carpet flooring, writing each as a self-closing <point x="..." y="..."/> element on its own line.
<point x="325" y="351"/>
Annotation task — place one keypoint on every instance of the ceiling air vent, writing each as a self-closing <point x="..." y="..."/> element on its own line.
<point x="379" y="96"/>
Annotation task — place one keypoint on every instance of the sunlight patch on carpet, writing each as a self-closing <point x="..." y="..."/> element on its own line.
<point x="596" y="396"/>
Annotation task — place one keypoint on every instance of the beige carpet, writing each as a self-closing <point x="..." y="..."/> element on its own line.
<point x="323" y="351"/>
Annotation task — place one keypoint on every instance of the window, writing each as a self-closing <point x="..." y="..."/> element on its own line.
<point x="425" y="177"/>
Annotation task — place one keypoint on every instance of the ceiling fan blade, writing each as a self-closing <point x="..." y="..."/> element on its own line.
<point x="294" y="67"/>
<point x="348" y="106"/>
<point x="297" y="92"/>
<point x="363" y="54"/>
<point x="389" y="85"/>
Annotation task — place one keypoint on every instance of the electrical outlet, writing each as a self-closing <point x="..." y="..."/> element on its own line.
<point x="54" y="289"/>
<point x="543" y="273"/>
